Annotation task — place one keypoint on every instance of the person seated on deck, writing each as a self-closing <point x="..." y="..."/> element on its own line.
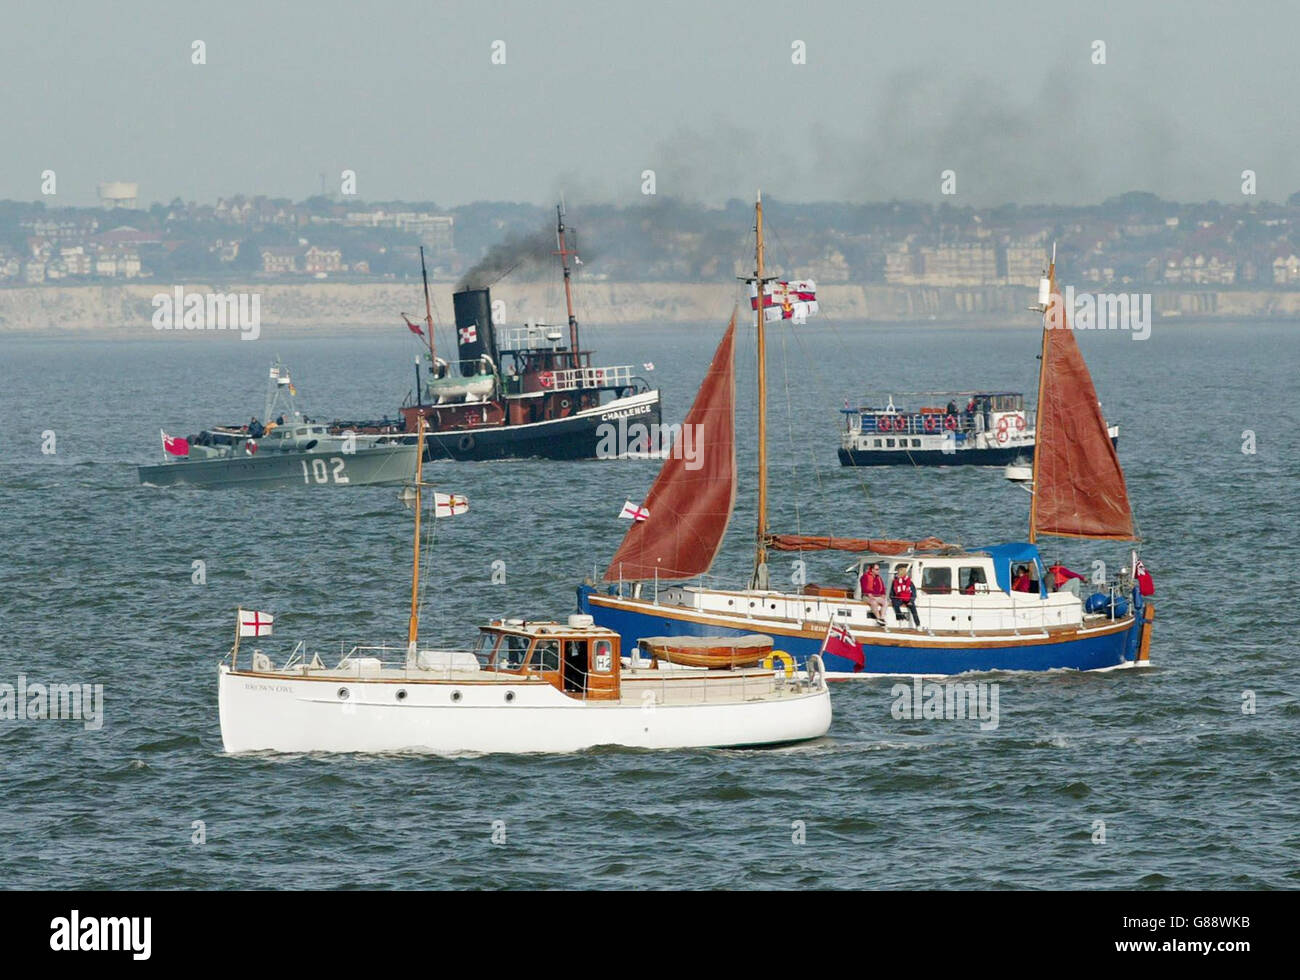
<point x="255" y="429"/>
<point x="1022" y="582"/>
<point x="902" y="593"/>
<point x="279" y="420"/>
<point x="873" y="590"/>
<point x="1063" y="580"/>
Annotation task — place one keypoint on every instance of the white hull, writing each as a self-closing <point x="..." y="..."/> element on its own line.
<point x="285" y="713"/>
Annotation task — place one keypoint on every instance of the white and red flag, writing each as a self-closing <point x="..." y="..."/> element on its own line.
<point x="633" y="512"/>
<point x="469" y="335"/>
<point x="413" y="327"/>
<point x="449" y="504"/>
<point x="795" y="300"/>
<point x="255" y="623"/>
<point x="1146" y="585"/>
<point x="175" y="447"/>
<point x="839" y="642"/>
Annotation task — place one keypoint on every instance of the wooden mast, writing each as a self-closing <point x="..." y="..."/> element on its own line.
<point x="563" y="252"/>
<point x="428" y="319"/>
<point x="413" y="628"/>
<point x="759" y="580"/>
<point x="1052" y="298"/>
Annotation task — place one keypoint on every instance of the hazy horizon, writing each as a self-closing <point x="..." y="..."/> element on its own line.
<point x="590" y="96"/>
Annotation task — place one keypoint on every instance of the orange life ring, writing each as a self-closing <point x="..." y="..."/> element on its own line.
<point x="930" y="423"/>
<point x="1020" y="423"/>
<point x="883" y="424"/>
<point x="546" y="379"/>
<point x="950" y="422"/>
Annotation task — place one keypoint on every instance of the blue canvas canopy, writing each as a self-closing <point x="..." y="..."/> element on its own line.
<point x="1007" y="556"/>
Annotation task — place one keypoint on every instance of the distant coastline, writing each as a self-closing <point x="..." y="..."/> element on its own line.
<point x="127" y="309"/>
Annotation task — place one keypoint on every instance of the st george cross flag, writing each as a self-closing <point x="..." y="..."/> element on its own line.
<point x="795" y="300"/>
<point x="175" y="447"/>
<point x="840" y="643"/>
<point x="469" y="335"/>
<point x="633" y="512"/>
<point x="449" y="504"/>
<point x="255" y="623"/>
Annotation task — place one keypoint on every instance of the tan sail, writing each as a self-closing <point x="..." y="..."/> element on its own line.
<point x="691" y="501"/>
<point x="1079" y="489"/>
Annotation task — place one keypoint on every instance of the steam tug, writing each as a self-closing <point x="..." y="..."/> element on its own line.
<point x="528" y="391"/>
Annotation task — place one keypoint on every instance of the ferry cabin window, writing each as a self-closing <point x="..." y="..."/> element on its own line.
<point x="916" y="443"/>
<point x="546" y="655"/>
<point x="936" y="580"/>
<point x="875" y="443"/>
<point x="889" y="443"/>
<point x="972" y="580"/>
<point x="603" y="661"/>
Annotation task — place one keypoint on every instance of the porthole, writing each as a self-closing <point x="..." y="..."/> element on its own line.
<point x="510" y="696"/>
<point x="401" y="694"/>
<point x="344" y="694"/>
<point x="455" y="696"/>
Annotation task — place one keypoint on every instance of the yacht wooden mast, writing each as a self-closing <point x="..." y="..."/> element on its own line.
<point x="564" y="253"/>
<point x="1038" y="405"/>
<point x="759" y="580"/>
<point x="413" y="628"/>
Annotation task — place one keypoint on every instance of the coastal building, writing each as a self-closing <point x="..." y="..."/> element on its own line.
<point x="318" y="260"/>
<point x="279" y="260"/>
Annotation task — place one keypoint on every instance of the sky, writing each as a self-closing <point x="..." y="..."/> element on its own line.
<point x="704" y="94"/>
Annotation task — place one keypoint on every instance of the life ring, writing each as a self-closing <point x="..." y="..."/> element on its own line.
<point x="250" y="447"/>
<point x="1003" y="435"/>
<point x="883" y="424"/>
<point x="546" y="379"/>
<point x="466" y="443"/>
<point x="950" y="423"/>
<point x="1020" y="423"/>
<point x="931" y="423"/>
<point x="770" y="661"/>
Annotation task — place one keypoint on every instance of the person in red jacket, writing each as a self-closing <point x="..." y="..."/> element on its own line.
<point x="1022" y="581"/>
<point x="873" y="590"/>
<point x="903" y="593"/>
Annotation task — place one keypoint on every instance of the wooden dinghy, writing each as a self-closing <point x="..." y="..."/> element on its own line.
<point x="713" y="652"/>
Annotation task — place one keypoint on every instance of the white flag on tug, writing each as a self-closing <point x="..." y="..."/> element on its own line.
<point x="795" y="300"/>
<point x="255" y="623"/>
<point x="633" y="512"/>
<point x="449" y="504"/>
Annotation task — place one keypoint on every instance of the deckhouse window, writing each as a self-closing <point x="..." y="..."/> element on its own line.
<point x="546" y="655"/>
<point x="972" y="579"/>
<point x="937" y="579"/>
<point x="511" y="652"/>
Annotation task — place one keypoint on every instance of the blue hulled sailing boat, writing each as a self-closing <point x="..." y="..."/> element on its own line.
<point x="991" y="608"/>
